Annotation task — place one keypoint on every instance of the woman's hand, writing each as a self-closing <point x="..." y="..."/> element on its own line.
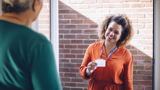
<point x="91" y="67"/>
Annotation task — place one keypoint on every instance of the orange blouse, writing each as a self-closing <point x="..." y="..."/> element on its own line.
<point x="116" y="75"/>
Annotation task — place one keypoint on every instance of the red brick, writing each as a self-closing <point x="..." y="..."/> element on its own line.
<point x="149" y="15"/>
<point x="131" y="0"/>
<point x="146" y="42"/>
<point x="64" y="21"/>
<point x="106" y="10"/>
<point x="76" y="51"/>
<point x="145" y="20"/>
<point x="148" y="87"/>
<point x="130" y="10"/>
<point x="82" y="26"/>
<point x="144" y="72"/>
<point x="63" y="31"/>
<point x="149" y="47"/>
<point x="64" y="51"/>
<point x="76" y="80"/>
<point x="64" y="41"/>
<point x="43" y="26"/>
<point x="142" y="82"/>
<point x="116" y="1"/>
<point x="90" y="11"/>
<point x="88" y="21"/>
<point x="139" y="78"/>
<point x="109" y="5"/>
<point x="149" y="4"/>
<point x="60" y="36"/>
<point x="64" y="60"/>
<point x="61" y="26"/>
<point x="69" y="75"/>
<point x="103" y="1"/>
<point x="145" y="31"/>
<point x="76" y="1"/>
<point x="43" y="16"/>
<point x="76" y="21"/>
<point x="89" y="31"/>
<point x="82" y="46"/>
<point x="44" y="11"/>
<point x="118" y="10"/>
<point x="137" y="5"/>
<point x="94" y="37"/>
<point x="144" y="63"/>
<point x="138" y="67"/>
<point x="138" y="87"/>
<point x="60" y="16"/>
<point x="76" y="31"/>
<point x="74" y="70"/>
<point x="70" y="16"/>
<point x="78" y="65"/>
<point x="69" y="36"/>
<point x="93" y="26"/>
<point x="134" y="52"/>
<point x="80" y="56"/>
<point x="148" y="36"/>
<point x="96" y="5"/>
<point x="60" y="6"/>
<point x="79" y="16"/>
<point x="61" y="55"/>
<point x="68" y="65"/>
<point x="82" y="36"/>
<point x="71" y="46"/>
<point x="149" y="25"/>
<point x="70" y="26"/>
<point x="61" y="46"/>
<point x="65" y="79"/>
<point x="146" y="10"/>
<point x="138" y="15"/>
<point x="144" y="0"/>
<point x="148" y="57"/>
<point x="77" y="88"/>
<point x="138" y="36"/>
<point x="72" y="84"/>
<point x="63" y="69"/>
<point x="76" y="61"/>
<point x="70" y="7"/>
<point x="82" y="85"/>
<point x="76" y="42"/>
<point x="89" y="1"/>
<point x="89" y="41"/>
<point x="82" y="6"/>
<point x="64" y="11"/>
<point x="134" y="62"/>
<point x="66" y="88"/>
<point x="69" y="56"/>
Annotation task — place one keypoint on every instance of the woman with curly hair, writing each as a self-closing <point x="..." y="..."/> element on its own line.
<point x="108" y="63"/>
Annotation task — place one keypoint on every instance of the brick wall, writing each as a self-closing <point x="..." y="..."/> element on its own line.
<point x="78" y="21"/>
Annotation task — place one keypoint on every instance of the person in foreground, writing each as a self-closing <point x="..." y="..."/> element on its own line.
<point x="27" y="60"/>
<point x="107" y="63"/>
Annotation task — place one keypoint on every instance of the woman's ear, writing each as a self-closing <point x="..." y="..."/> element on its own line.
<point x="35" y="4"/>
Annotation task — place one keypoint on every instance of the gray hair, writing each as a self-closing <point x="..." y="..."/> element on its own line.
<point x="17" y="6"/>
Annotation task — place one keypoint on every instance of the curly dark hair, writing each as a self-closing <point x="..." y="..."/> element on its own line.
<point x="121" y="19"/>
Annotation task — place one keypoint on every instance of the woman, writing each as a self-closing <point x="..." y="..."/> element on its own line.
<point x="116" y="31"/>
<point x="27" y="60"/>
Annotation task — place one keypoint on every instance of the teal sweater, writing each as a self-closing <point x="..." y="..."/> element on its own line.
<point x="27" y="60"/>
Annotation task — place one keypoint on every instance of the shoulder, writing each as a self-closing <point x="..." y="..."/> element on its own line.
<point x="125" y="52"/>
<point x="96" y="44"/>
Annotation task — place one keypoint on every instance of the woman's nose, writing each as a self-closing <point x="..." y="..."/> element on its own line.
<point x="112" y="33"/>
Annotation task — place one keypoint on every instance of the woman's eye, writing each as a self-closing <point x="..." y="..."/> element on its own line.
<point x="117" y="32"/>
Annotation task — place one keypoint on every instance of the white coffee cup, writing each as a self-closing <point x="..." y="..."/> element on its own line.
<point x="100" y="63"/>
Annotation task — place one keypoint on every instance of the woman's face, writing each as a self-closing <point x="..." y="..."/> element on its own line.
<point x="113" y="32"/>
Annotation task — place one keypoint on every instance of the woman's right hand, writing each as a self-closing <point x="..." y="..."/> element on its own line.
<point x="91" y="67"/>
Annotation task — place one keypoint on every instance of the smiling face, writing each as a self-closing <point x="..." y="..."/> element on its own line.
<point x="113" y="33"/>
